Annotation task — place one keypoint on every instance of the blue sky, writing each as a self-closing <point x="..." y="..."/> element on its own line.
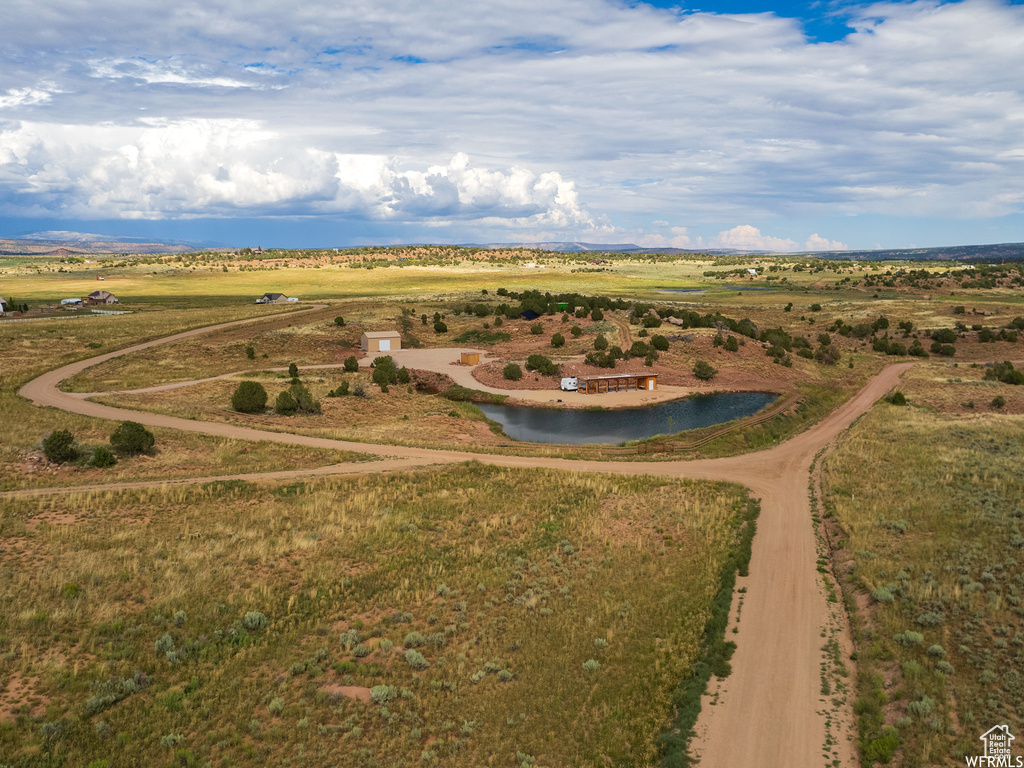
<point x="782" y="126"/>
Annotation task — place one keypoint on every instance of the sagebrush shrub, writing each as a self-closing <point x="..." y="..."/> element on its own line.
<point x="415" y="659"/>
<point x="254" y="621"/>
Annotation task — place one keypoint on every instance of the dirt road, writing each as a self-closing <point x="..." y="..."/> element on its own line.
<point x="768" y="713"/>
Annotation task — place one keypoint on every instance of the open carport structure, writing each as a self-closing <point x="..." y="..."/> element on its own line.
<point x="623" y="382"/>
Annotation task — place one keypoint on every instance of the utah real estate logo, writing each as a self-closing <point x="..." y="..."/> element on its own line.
<point x="997" y="742"/>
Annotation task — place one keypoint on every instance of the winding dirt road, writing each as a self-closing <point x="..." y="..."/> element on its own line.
<point x="767" y="715"/>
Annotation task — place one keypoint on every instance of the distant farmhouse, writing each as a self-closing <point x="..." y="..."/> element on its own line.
<point x="381" y="341"/>
<point x="273" y="298"/>
<point x="100" y="297"/>
<point x="3" y="306"/>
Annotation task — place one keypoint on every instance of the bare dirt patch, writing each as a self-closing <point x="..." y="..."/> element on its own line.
<point x="51" y="517"/>
<point x="19" y="691"/>
<point x="355" y="692"/>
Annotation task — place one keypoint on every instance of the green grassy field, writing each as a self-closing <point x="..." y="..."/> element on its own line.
<point x="224" y="625"/>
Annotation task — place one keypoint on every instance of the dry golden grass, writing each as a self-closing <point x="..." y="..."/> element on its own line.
<point x="511" y="598"/>
<point x="32" y="348"/>
<point x="930" y="507"/>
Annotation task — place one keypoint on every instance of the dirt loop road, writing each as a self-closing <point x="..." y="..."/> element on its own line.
<point x="767" y="715"/>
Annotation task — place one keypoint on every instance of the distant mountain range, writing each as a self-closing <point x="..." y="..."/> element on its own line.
<point x="566" y="247"/>
<point x="998" y="252"/>
<point x="62" y="243"/>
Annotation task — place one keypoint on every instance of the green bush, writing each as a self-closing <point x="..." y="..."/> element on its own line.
<point x="103" y="457"/>
<point x="881" y="750"/>
<point x="285" y="404"/>
<point x="660" y="343"/>
<point x="600" y="343"/>
<point x="478" y="336"/>
<point x="250" y="397"/>
<point x="131" y="438"/>
<point x="541" y="365"/>
<point x="597" y="315"/>
<point x="537" y="329"/>
<point x="576" y="330"/>
<point x="250" y="353"/>
<point x="1006" y="373"/>
<point x="293" y="371"/>
<point x="704" y="370"/>
<point x="512" y="372"/>
<point x="440" y="327"/>
<point x="998" y="401"/>
<point x="339" y="321"/>
<point x="558" y="340"/>
<point x="304" y="401"/>
<point x="59" y="446"/>
<point x="351" y="364"/>
<point x="897" y="398"/>
<point x="384" y="371"/>
<point x="404" y="377"/>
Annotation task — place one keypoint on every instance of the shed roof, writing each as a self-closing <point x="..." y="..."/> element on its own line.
<point x="621" y="376"/>
<point x="382" y="334"/>
<point x="100" y="295"/>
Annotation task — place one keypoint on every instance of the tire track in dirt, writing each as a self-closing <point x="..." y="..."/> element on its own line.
<point x="768" y="711"/>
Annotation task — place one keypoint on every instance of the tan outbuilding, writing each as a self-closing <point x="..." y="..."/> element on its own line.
<point x="381" y="341"/>
<point x="596" y="385"/>
<point x="471" y="358"/>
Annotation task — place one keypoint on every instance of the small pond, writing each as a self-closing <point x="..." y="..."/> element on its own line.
<point x="574" y="426"/>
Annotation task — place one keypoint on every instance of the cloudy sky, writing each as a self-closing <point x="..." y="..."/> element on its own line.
<point x="733" y="123"/>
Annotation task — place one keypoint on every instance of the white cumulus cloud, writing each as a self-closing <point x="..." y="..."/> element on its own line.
<point x="168" y="169"/>
<point x="747" y="237"/>
<point x="580" y="115"/>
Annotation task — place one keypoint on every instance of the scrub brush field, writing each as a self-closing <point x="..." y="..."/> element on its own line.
<point x="382" y="621"/>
